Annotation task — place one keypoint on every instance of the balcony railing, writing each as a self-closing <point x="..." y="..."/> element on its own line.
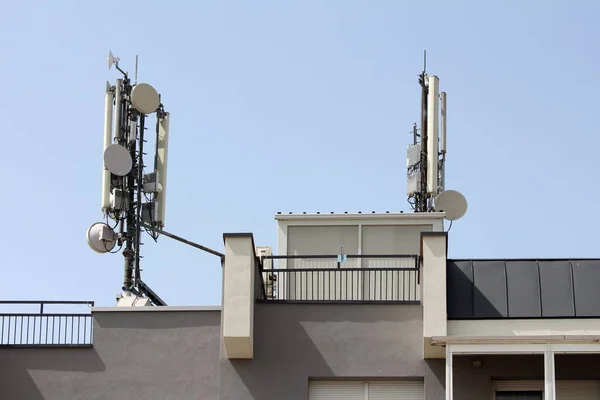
<point x="331" y="279"/>
<point x="45" y="325"/>
<point x="549" y="288"/>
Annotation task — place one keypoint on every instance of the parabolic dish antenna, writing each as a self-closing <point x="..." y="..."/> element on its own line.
<point x="451" y="202"/>
<point x="117" y="160"/>
<point x="101" y="238"/>
<point x="145" y="98"/>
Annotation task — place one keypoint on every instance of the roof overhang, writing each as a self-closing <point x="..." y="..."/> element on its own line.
<point x="538" y="339"/>
<point x="361" y="216"/>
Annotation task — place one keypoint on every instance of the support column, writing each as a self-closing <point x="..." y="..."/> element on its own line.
<point x="434" y="246"/>
<point x="549" y="375"/>
<point x="237" y="313"/>
<point x="449" y="374"/>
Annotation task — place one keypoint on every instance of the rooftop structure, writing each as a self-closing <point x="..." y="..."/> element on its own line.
<point x="345" y="306"/>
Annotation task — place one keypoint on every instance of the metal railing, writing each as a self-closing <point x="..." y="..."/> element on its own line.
<point x="38" y="327"/>
<point x="329" y="278"/>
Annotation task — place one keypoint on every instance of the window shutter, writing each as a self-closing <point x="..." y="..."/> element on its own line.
<point x="409" y="390"/>
<point x="336" y="390"/>
<point x="577" y="390"/>
<point x="357" y="390"/>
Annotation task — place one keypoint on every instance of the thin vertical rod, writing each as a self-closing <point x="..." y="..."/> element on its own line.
<point x="136" y="69"/>
<point x="129" y="253"/>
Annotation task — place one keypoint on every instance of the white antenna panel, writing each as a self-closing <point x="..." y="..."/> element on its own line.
<point x="444" y="120"/>
<point x="145" y="98"/>
<point x="453" y="203"/>
<point x="162" y="146"/>
<point x="433" y="110"/>
<point x="108" y="121"/>
<point x="413" y="154"/>
<point x="117" y="160"/>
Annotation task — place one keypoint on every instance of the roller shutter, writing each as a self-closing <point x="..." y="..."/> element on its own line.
<point x="565" y="390"/>
<point x="379" y="390"/>
<point x="396" y="390"/>
<point x="338" y="390"/>
<point x="577" y="390"/>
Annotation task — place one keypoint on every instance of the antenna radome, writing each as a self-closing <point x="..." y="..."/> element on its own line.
<point x="145" y="98"/>
<point x="453" y="203"/>
<point x="101" y="237"/>
<point x="117" y="160"/>
<point x="112" y="60"/>
<point x="433" y="110"/>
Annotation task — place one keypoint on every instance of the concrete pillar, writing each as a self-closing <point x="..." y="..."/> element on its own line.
<point x="433" y="290"/>
<point x="238" y="295"/>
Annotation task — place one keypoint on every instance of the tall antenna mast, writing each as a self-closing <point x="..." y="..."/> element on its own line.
<point x="425" y="169"/>
<point x="133" y="199"/>
<point x="125" y="186"/>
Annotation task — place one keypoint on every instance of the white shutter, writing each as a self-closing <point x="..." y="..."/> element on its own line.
<point x="409" y="390"/>
<point x="336" y="390"/>
<point x="356" y="390"/>
<point x="577" y="390"/>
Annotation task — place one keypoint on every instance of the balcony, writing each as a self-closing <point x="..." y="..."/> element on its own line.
<point x="500" y="289"/>
<point x="339" y="279"/>
<point x="46" y="324"/>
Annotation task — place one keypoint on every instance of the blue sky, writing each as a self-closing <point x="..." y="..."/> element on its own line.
<point x="294" y="106"/>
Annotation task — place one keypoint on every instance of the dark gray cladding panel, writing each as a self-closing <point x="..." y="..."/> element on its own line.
<point x="557" y="289"/>
<point x="459" y="284"/>
<point x="586" y="280"/>
<point x="489" y="294"/>
<point x="523" y="287"/>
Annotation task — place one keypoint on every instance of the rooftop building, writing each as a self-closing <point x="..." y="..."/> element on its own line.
<point x="350" y="306"/>
<point x="363" y="306"/>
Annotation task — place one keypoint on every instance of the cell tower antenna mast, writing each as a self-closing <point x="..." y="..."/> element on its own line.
<point x="133" y="199"/>
<point x="426" y="157"/>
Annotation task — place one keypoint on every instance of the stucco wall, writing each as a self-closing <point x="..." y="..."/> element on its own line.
<point x="136" y="355"/>
<point x="295" y="342"/>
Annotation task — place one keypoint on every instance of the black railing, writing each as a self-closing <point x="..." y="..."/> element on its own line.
<point x="21" y="326"/>
<point x="523" y="288"/>
<point x="355" y="278"/>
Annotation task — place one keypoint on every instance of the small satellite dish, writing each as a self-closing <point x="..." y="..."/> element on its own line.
<point x="117" y="160"/>
<point x="111" y="59"/>
<point x="453" y="203"/>
<point x="145" y="98"/>
<point x="101" y="238"/>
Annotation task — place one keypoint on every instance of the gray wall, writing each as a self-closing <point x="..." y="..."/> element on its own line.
<point x="295" y="342"/>
<point x="472" y="383"/>
<point x="136" y="355"/>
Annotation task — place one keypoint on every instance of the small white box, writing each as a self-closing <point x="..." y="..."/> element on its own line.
<point x="413" y="155"/>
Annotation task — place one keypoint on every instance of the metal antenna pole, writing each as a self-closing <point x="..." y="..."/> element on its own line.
<point x="136" y="69"/>
<point x="422" y="202"/>
<point x="130" y="234"/>
<point x="138" y="207"/>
